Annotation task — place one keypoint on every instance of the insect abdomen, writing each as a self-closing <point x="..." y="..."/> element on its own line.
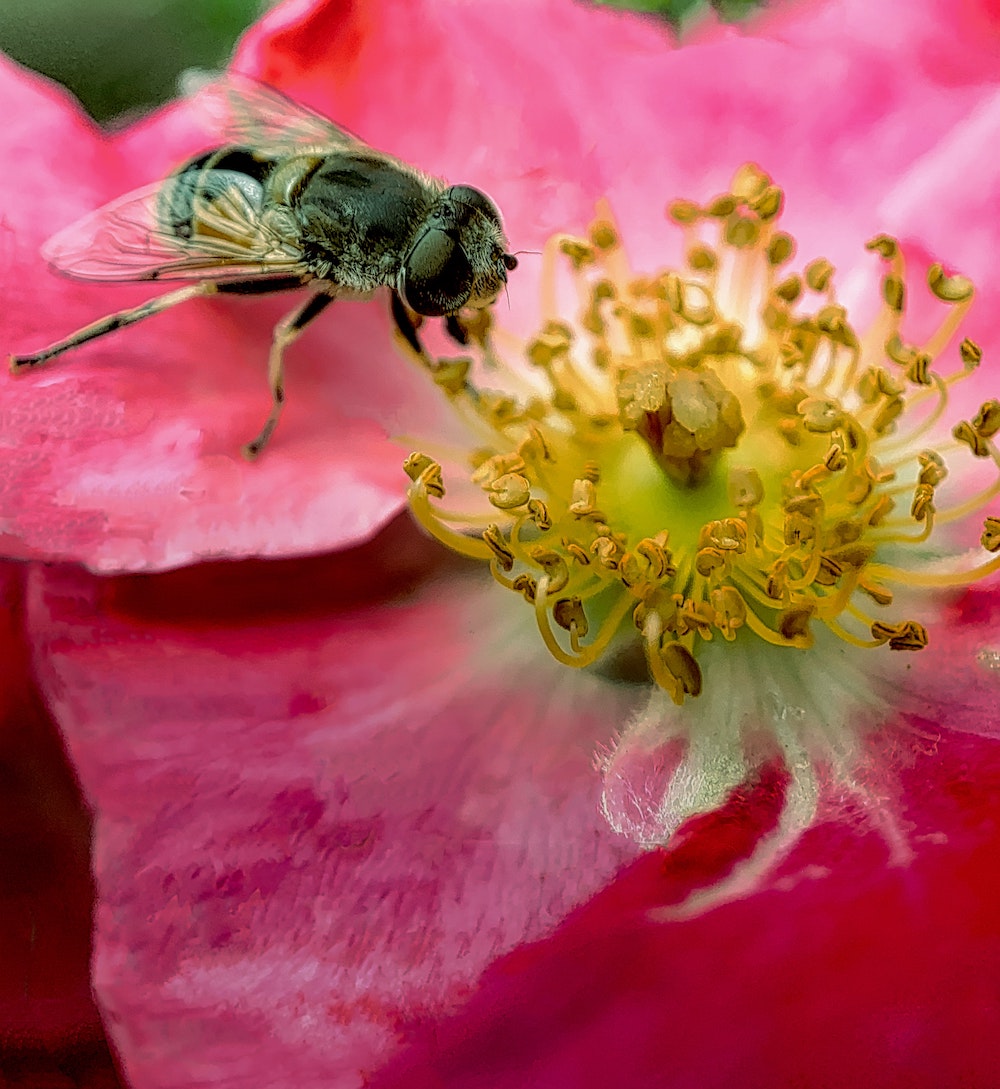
<point x="204" y="179"/>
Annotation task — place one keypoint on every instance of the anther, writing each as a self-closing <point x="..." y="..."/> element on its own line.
<point x="932" y="468"/>
<point x="493" y="468"/>
<point x="790" y="289"/>
<point x="722" y="207"/>
<point x="708" y="561"/>
<point x="579" y="252"/>
<point x="568" y="613"/>
<point x="819" y="273"/>
<point x="965" y="432"/>
<point x="918" y="371"/>
<point x="603" y="235"/>
<point x="702" y="259"/>
<point x="684" y="212"/>
<point x="923" y="502"/>
<point x="909" y="635"/>
<point x="730" y="611"/>
<point x="741" y="232"/>
<point x="499" y="546"/>
<point x="608" y="552"/>
<point x="426" y="472"/>
<point x="538" y="512"/>
<point x="820" y="415"/>
<point x="971" y="353"/>
<point x="509" y="491"/>
<point x="583" y="503"/>
<point x="780" y="249"/>
<point x="745" y="487"/>
<point x="694" y="616"/>
<point x="527" y="587"/>
<point x="793" y="624"/>
<point x="835" y="460"/>
<point x="948" y="288"/>
<point x="987" y="420"/>
<point x="894" y="293"/>
<point x="579" y="554"/>
<point x="885" y="245"/>
<point x="452" y="375"/>
<point x="768" y="203"/>
<point x="683" y="667"/>
<point x="554" y="566"/>
<point x="887" y="415"/>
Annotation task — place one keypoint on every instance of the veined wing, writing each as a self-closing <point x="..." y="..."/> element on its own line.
<point x="251" y="114"/>
<point x="137" y="236"/>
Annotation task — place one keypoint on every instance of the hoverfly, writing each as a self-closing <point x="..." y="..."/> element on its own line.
<point x="287" y="200"/>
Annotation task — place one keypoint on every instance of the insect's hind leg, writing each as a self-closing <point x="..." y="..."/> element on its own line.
<point x="285" y="332"/>
<point x="111" y="323"/>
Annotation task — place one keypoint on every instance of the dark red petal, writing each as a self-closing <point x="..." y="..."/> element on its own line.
<point x="50" y="1028"/>
<point x="843" y="971"/>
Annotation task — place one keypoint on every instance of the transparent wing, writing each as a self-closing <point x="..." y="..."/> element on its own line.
<point x="243" y="111"/>
<point x="136" y="237"/>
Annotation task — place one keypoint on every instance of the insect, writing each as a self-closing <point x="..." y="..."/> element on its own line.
<point x="289" y="200"/>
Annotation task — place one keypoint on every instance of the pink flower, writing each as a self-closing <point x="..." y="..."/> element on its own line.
<point x="347" y="820"/>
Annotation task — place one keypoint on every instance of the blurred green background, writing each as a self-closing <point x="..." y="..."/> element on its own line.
<point x="122" y="56"/>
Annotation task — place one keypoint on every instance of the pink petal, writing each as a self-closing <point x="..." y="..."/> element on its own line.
<point x="319" y="814"/>
<point x="951" y="42"/>
<point x="947" y="205"/>
<point x="819" y="98"/>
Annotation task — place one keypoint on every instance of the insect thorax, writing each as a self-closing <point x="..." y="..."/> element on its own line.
<point x="358" y="216"/>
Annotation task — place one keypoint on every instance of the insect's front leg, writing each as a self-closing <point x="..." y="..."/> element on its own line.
<point x="456" y="330"/>
<point x="408" y="330"/>
<point x="406" y="327"/>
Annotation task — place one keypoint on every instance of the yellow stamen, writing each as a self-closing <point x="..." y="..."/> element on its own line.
<point x="715" y="450"/>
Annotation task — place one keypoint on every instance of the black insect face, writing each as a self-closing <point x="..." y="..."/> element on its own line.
<point x="459" y="257"/>
<point x="436" y="277"/>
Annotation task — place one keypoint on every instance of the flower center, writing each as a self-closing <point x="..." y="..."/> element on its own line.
<point x="713" y="452"/>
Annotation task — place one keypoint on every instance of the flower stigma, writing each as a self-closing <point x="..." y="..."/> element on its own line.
<point x="715" y="452"/>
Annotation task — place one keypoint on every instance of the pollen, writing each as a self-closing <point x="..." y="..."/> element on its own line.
<point x="715" y="452"/>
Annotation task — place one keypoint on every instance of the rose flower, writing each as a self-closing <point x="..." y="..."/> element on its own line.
<point x="676" y="765"/>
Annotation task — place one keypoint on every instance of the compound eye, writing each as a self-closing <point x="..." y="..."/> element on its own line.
<point x="437" y="277"/>
<point x="473" y="198"/>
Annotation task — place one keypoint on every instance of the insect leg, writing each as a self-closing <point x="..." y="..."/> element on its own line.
<point x="111" y="323"/>
<point x="408" y="331"/>
<point x="285" y="332"/>
<point x="404" y="324"/>
<point x="455" y="330"/>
